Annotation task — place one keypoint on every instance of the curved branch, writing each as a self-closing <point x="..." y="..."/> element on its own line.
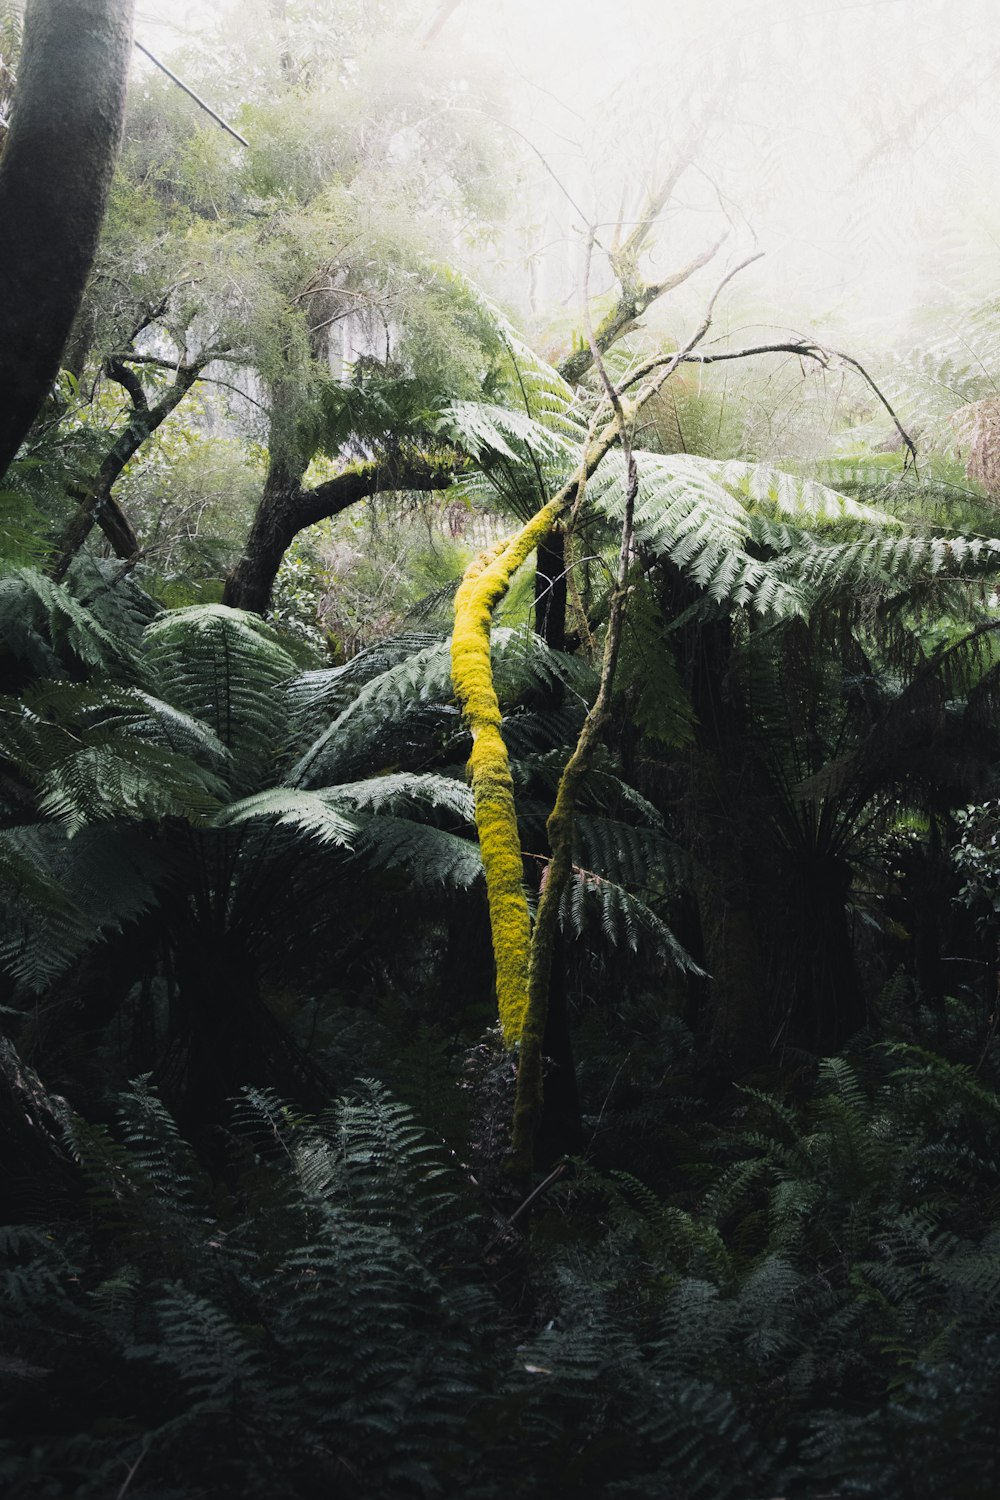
<point x="96" y="503"/>
<point x="286" y="508"/>
<point x="635" y="298"/>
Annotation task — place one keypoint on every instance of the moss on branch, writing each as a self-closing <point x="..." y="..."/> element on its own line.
<point x="484" y="585"/>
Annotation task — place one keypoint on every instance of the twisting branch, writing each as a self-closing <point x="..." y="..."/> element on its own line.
<point x="439" y="21"/>
<point x="97" y="505"/>
<point x="636" y="296"/>
<point x="288" y="507"/>
<point x="129" y="381"/>
<point x="634" y="300"/>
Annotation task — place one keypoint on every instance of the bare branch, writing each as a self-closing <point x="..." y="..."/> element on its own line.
<point x="180" y="366"/>
<point x="97" y="505"/>
<point x="801" y="348"/>
<point x="636" y="296"/>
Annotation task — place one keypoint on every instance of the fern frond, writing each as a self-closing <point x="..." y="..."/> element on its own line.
<point x="65" y="895"/>
<point x="42" y="623"/>
<point x="662" y="708"/>
<point x="404" y="792"/>
<point x="428" y="856"/>
<point x="527" y="378"/>
<point x="798" y="499"/>
<point x="122" y="778"/>
<point x="310" y="813"/>
<point x="222" y="666"/>
<point x="314" y="696"/>
<point x="499" y="432"/>
<point x="420" y="678"/>
<point x="685" y="512"/>
<point x="624" y="918"/>
<point x="212" y="1357"/>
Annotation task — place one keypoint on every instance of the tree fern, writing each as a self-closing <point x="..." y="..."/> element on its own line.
<point x="45" y="625"/>
<point x="221" y="666"/>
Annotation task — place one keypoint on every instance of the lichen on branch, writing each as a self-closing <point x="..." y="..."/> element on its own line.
<point x="484" y="585"/>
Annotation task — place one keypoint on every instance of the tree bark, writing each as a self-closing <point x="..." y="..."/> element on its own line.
<point x="55" y="175"/>
<point x="635" y="297"/>
<point x="550" y="589"/>
<point x="286" y="508"/>
<point x="35" y="1166"/>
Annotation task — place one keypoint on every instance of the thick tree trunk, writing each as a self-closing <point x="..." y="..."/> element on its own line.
<point x="274" y="528"/>
<point x="54" y="179"/>
<point x="286" y="509"/>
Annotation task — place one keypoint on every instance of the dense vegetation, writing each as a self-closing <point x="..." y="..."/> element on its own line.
<point x="500" y="950"/>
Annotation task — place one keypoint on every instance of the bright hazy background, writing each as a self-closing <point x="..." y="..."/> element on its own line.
<point x="855" y="142"/>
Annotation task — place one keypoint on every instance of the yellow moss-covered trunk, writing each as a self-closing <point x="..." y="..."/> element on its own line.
<point x="482" y="588"/>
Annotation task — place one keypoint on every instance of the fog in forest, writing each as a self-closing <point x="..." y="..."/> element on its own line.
<point x="856" y="144"/>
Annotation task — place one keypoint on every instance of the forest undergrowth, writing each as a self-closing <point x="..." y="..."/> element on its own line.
<point x="779" y="1288"/>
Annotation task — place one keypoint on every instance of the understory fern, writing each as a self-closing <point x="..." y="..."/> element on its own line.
<point x="816" y="1318"/>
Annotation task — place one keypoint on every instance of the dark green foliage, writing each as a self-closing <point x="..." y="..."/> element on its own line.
<point x="303" y="1331"/>
<point x="818" y="1319"/>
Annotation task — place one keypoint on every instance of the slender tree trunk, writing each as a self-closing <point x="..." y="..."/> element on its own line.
<point x="35" y="1165"/>
<point x="55" y="175"/>
<point x="96" y="503"/>
<point x="550" y="589"/>
<point x="560" y="1128"/>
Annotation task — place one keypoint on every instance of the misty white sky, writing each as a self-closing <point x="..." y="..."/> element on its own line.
<point x="857" y="140"/>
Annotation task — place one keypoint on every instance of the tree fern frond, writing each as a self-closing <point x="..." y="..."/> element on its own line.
<point x="792" y="497"/>
<point x="404" y="792"/>
<point x="314" y="695"/>
<point x="498" y="431"/>
<point x="43" y="624"/>
<point x="222" y="666"/>
<point x="124" y="711"/>
<point x="121" y="778"/>
<point x="64" y="895"/>
<point x="527" y="378"/>
<point x="428" y="856"/>
<point x="623" y="918"/>
<point x="523" y="663"/>
<point x="291" y="807"/>
<point x="662" y="707"/>
<point x="891" y="564"/>
<point x="685" y="512"/>
<point x="420" y="678"/>
<point x="523" y="461"/>
<point x="642" y="859"/>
